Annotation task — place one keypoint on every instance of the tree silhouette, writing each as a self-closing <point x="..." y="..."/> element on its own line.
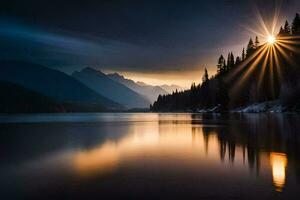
<point x="287" y="28"/>
<point x="256" y="42"/>
<point x="205" y="77"/>
<point x="296" y="25"/>
<point x="250" y="47"/>
<point x="281" y="31"/>
<point x="238" y="60"/>
<point x="232" y="60"/>
<point x="215" y="90"/>
<point x="243" y="54"/>
<point x="221" y="65"/>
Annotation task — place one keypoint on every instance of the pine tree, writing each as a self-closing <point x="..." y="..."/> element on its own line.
<point x="193" y="86"/>
<point x="243" y="54"/>
<point x="159" y="98"/>
<point x="231" y="60"/>
<point x="228" y="67"/>
<point x="205" y="77"/>
<point x="287" y="28"/>
<point x="250" y="47"/>
<point x="281" y="31"/>
<point x="238" y="60"/>
<point x="256" y="42"/>
<point x="221" y="65"/>
<point x="193" y="95"/>
<point x="224" y="64"/>
<point x="296" y="25"/>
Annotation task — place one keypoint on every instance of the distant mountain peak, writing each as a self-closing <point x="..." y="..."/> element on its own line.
<point x="117" y="75"/>
<point x="90" y="69"/>
<point x="141" y="83"/>
<point x="52" y="83"/>
<point x="171" y="88"/>
<point x="111" y="88"/>
<point x="148" y="91"/>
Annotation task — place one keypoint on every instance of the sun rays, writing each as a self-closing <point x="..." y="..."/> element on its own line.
<point x="264" y="64"/>
<point x="271" y="39"/>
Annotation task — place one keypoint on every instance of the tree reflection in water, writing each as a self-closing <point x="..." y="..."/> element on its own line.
<point x="276" y="134"/>
<point x="255" y="142"/>
<point x="204" y="154"/>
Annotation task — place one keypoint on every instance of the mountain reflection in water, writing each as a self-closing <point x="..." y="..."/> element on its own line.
<point x="249" y="152"/>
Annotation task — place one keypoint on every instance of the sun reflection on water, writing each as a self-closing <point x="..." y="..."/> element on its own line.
<point x="102" y="160"/>
<point x="278" y="163"/>
<point x="184" y="145"/>
<point x="195" y="152"/>
<point x="178" y="142"/>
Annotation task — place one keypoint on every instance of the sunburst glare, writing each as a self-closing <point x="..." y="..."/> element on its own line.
<point x="264" y="59"/>
<point x="271" y="39"/>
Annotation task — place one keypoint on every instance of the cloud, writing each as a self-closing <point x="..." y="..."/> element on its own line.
<point x="60" y="49"/>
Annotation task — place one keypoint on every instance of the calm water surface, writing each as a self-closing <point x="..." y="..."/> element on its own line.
<point x="150" y="156"/>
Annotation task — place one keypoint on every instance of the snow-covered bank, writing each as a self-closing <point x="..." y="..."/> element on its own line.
<point x="215" y="109"/>
<point x="263" y="107"/>
<point x="269" y="107"/>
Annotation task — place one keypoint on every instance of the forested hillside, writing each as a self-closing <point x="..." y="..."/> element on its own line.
<point x="263" y="72"/>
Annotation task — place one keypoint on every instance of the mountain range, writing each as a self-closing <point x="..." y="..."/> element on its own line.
<point x="15" y="98"/>
<point x="105" y="86"/>
<point x="53" y="84"/>
<point x="30" y="87"/>
<point x="148" y="91"/>
<point x="171" y="88"/>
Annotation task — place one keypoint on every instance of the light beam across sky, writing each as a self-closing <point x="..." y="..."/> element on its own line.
<point x="151" y="41"/>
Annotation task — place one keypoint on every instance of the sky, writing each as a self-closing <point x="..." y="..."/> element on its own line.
<point x="158" y="42"/>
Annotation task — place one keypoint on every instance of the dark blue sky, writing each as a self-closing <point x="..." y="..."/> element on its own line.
<point x="160" y="41"/>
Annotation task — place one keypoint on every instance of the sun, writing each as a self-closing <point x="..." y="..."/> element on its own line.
<point x="271" y="39"/>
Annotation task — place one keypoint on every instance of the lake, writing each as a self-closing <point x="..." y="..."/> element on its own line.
<point x="150" y="156"/>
